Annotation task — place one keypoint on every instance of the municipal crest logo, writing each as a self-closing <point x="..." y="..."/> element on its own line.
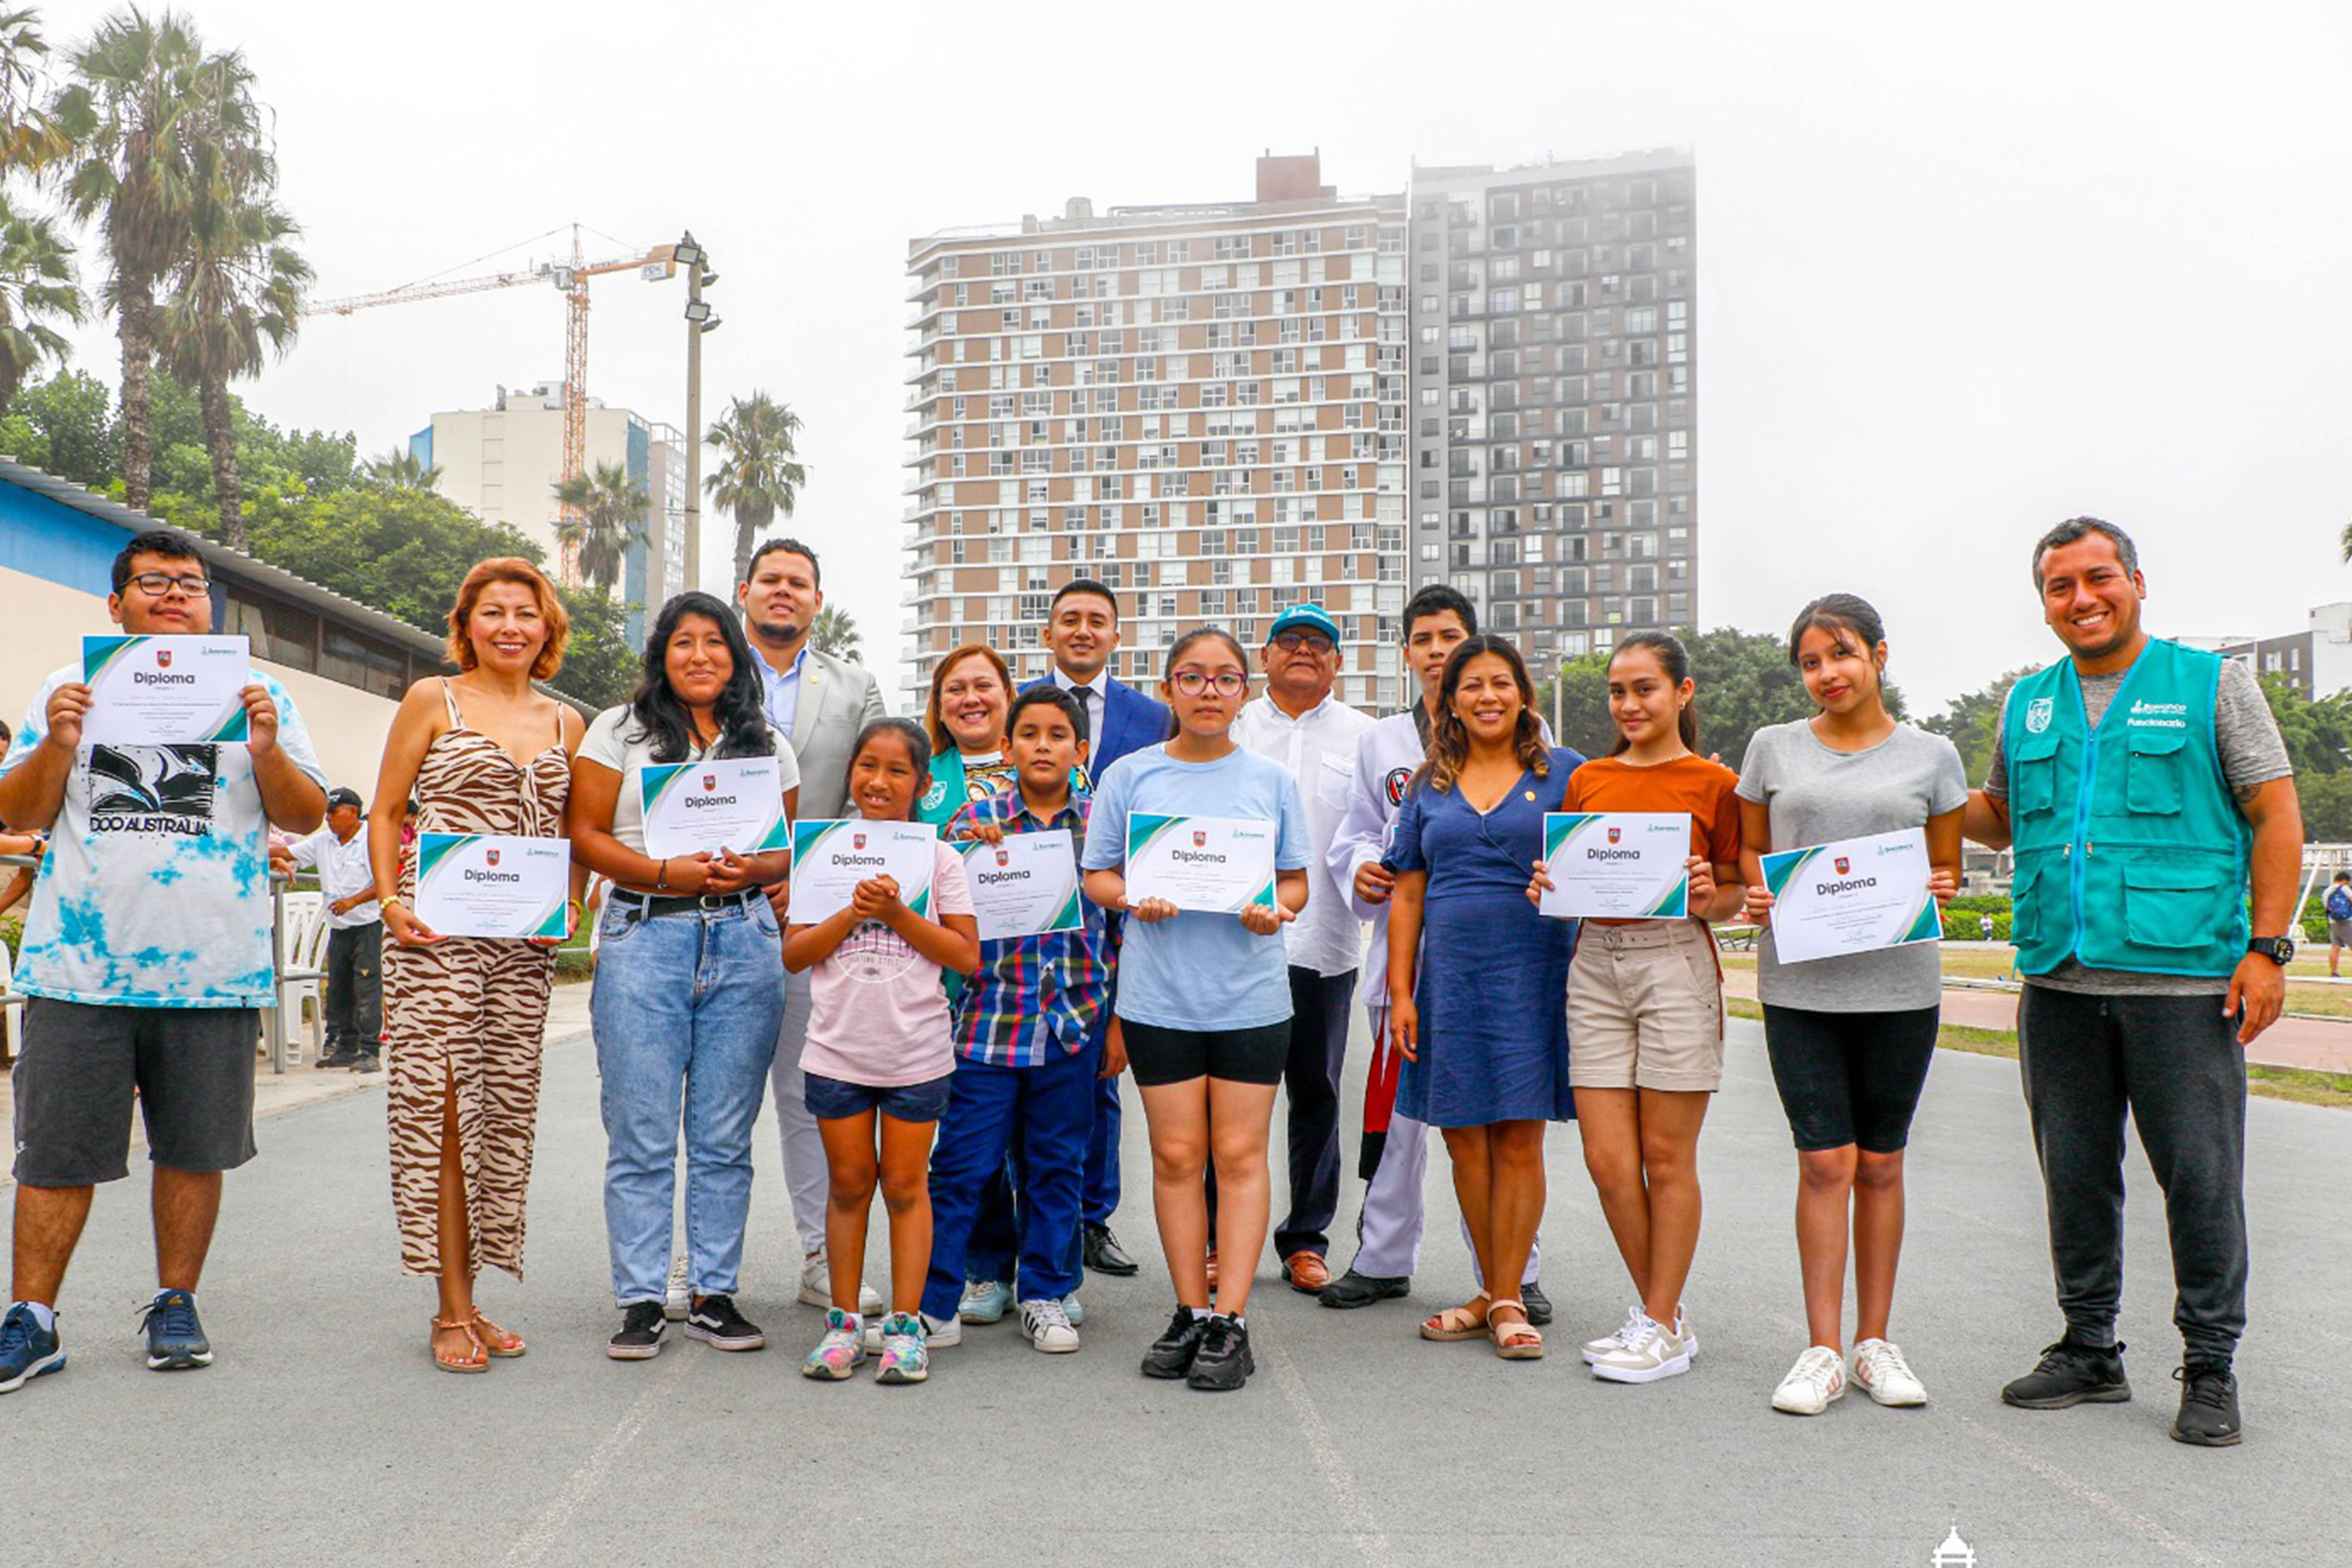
<point x="1843" y="865"/>
<point x="1615" y="834"/>
<point x="1004" y="857"/>
<point x="857" y="841"/>
<point x="2037" y="715"/>
<point x="163" y="658"/>
<point x="710" y="781"/>
<point x="1393" y="786"/>
<point x="1200" y="839"/>
<point x="492" y="856"/>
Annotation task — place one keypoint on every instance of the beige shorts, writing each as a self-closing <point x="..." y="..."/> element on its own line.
<point x="1646" y="1008"/>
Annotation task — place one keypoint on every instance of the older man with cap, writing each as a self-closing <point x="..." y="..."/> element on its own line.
<point x="1296" y="720"/>
<point x="354" y="983"/>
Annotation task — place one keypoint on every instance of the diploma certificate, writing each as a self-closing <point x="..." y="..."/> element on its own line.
<point x="693" y="807"/>
<point x="165" y="691"/>
<point x="1220" y="864"/>
<point x="1026" y="886"/>
<point x="1857" y="895"/>
<point x="1617" y="864"/>
<point x="482" y="884"/>
<point x="832" y="855"/>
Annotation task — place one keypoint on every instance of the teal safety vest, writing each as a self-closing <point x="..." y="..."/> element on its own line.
<point x="2130" y="852"/>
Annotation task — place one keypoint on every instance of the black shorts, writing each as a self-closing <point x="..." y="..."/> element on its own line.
<point x="193" y="1069"/>
<point x="1157" y="1055"/>
<point x="1850" y="1078"/>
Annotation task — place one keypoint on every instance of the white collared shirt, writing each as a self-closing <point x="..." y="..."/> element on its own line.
<point x="343" y="871"/>
<point x="1318" y="750"/>
<point x="1096" y="696"/>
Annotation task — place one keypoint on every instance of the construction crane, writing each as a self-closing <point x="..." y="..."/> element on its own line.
<point x="571" y="281"/>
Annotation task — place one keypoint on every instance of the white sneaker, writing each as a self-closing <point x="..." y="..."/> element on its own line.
<point x="1813" y="1384"/>
<point x="938" y="1334"/>
<point x="1650" y="1350"/>
<point x="1885" y="1376"/>
<point x="816" y="1287"/>
<point x="1047" y="1325"/>
<point x="1616" y="1339"/>
<point x="1074" y="1309"/>
<point x="1685" y="1333"/>
<point x="675" y="1302"/>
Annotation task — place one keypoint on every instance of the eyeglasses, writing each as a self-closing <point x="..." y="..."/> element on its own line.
<point x="1313" y="642"/>
<point x="155" y="584"/>
<point x="1192" y="682"/>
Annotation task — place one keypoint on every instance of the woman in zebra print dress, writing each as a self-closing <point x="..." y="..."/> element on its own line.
<point x="481" y="752"/>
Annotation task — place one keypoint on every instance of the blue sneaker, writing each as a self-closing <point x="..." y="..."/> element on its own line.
<point x="984" y="1300"/>
<point x="175" y="1340"/>
<point x="27" y="1349"/>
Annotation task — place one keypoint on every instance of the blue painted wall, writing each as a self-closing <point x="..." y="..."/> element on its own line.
<point x="45" y="539"/>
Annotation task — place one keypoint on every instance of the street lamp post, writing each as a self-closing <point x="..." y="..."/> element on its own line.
<point x="698" y="320"/>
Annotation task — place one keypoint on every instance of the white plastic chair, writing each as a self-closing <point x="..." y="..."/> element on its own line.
<point x="301" y="964"/>
<point x="12" y="1006"/>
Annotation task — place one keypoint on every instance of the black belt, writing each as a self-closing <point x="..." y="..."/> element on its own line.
<point x="652" y="906"/>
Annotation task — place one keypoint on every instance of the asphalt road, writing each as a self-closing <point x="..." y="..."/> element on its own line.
<point x="323" y="1435"/>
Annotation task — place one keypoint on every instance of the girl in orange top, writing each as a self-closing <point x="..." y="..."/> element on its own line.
<point x="1645" y="1006"/>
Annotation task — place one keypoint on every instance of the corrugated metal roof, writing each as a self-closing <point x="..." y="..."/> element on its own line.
<point x="233" y="564"/>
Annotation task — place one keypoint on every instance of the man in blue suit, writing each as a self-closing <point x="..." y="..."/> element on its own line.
<point x="1082" y="633"/>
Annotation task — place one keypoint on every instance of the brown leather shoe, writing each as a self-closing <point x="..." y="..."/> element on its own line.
<point x="1306" y="1272"/>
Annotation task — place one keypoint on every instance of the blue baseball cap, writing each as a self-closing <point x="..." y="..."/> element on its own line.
<point x="1309" y="617"/>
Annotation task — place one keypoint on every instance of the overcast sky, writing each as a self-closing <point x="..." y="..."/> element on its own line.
<point x="1963" y="271"/>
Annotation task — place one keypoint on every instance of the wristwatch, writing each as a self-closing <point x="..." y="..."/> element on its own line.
<point x="2279" y="950"/>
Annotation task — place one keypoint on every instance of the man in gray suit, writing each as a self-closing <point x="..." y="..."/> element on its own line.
<point x="822" y="703"/>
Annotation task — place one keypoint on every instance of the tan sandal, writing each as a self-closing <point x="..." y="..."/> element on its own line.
<point x="1521" y="1340"/>
<point x="478" y="1361"/>
<point x="495" y="1340"/>
<point x="1454" y="1323"/>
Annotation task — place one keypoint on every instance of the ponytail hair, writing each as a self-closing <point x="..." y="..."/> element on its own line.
<point x="1674" y="659"/>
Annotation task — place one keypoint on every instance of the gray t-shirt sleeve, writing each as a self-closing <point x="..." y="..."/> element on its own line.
<point x="2247" y="735"/>
<point x="1996" y="778"/>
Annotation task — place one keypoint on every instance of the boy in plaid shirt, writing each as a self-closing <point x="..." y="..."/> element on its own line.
<point x="1032" y="1031"/>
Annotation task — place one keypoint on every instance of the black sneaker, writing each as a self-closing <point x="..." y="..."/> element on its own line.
<point x="1223" y="1363"/>
<point x="341" y="1057"/>
<point x="1538" y="1304"/>
<point x="175" y="1340"/>
<point x="1352" y="1290"/>
<point x="1172" y="1353"/>
<point x="715" y="1321"/>
<point x="2070" y="1373"/>
<point x="367" y="1061"/>
<point x="641" y="1327"/>
<point x="2209" y="1405"/>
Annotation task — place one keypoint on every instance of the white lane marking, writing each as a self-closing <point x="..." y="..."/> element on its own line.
<point x="1355" y="1515"/>
<point x="2076" y="1487"/>
<point x="549" y="1527"/>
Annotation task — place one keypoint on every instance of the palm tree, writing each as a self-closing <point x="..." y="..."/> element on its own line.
<point x="145" y="96"/>
<point x="608" y="516"/>
<point x="402" y="469"/>
<point x="37" y="287"/>
<point x="29" y="137"/>
<point x="236" y="300"/>
<point x="835" y="633"/>
<point x="759" y="475"/>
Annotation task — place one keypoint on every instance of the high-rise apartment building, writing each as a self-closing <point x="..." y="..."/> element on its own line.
<point x="1203" y="407"/>
<point x="1553" y="346"/>
<point x="501" y="463"/>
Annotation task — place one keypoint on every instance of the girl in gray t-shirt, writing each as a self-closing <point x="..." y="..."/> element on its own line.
<point x="1850" y="1037"/>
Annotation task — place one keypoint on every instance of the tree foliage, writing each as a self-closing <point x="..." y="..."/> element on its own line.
<point x="608" y="515"/>
<point x="760" y="473"/>
<point x="835" y="632"/>
<point x="1970" y="720"/>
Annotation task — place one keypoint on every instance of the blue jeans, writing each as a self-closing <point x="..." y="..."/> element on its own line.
<point x="685" y="1009"/>
<point x="1040" y="1118"/>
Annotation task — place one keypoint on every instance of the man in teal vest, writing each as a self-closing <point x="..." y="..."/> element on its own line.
<point x="2142" y="784"/>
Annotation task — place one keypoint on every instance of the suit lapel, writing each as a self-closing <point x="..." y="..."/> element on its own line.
<point x="812" y="688"/>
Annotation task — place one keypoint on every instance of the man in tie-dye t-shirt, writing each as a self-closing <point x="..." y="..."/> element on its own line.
<point x="147" y="950"/>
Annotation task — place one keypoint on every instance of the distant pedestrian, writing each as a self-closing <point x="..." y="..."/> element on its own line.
<point x="147" y="948"/>
<point x="354" y="981"/>
<point x="2142" y="784"/>
<point x="1850" y="1038"/>
<point x="1984" y="927"/>
<point x="2339" y="923"/>
<point x="880" y="1059"/>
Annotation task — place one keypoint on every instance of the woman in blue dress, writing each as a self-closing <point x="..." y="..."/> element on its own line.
<point x="1476" y="977"/>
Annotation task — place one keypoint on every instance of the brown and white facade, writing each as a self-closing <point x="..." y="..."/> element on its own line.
<point x="1203" y="407"/>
